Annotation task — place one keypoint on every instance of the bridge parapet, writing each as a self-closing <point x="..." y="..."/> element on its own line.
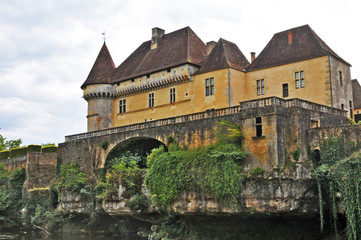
<point x="212" y="113"/>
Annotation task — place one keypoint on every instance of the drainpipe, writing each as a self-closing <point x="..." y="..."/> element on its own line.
<point x="329" y="71"/>
<point x="229" y="88"/>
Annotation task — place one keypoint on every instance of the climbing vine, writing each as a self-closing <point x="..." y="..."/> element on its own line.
<point x="215" y="170"/>
<point x="338" y="172"/>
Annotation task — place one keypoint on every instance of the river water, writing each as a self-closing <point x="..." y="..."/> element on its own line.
<point x="38" y="236"/>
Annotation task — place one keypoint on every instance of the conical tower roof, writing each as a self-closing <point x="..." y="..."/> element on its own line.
<point x="102" y="71"/>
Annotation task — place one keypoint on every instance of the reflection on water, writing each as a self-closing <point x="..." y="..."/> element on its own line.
<point x="38" y="236"/>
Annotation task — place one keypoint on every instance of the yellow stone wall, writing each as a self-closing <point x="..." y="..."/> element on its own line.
<point x="316" y="77"/>
<point x="137" y="108"/>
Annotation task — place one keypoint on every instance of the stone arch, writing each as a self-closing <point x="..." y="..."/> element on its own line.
<point x="135" y="145"/>
<point x="316" y="156"/>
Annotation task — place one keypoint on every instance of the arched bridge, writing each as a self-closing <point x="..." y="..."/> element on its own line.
<point x="284" y="125"/>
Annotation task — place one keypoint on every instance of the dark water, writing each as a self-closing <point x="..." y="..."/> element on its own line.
<point x="38" y="236"/>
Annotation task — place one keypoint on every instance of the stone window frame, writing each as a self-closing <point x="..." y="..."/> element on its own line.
<point x="299" y="79"/>
<point x="258" y="125"/>
<point x="340" y="78"/>
<point x="260" y="87"/>
<point x="209" y="86"/>
<point x="172" y="95"/>
<point x="122" y="106"/>
<point x="151" y="99"/>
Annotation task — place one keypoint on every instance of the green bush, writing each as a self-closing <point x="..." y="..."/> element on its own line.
<point x="258" y="171"/>
<point x="4" y="154"/>
<point x="104" y="144"/>
<point x="34" y="148"/>
<point x="138" y="203"/>
<point x="215" y="170"/>
<point x="17" y="152"/>
<point x="49" y="149"/>
<point x="72" y="178"/>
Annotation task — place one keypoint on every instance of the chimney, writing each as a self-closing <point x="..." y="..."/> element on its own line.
<point x="253" y="56"/>
<point x="157" y="34"/>
<point x="210" y="46"/>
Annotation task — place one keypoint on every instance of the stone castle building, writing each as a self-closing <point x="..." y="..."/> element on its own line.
<point x="176" y="73"/>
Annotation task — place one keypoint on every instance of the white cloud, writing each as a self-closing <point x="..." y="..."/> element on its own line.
<point x="47" y="48"/>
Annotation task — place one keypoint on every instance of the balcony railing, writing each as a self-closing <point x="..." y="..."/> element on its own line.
<point x="213" y="113"/>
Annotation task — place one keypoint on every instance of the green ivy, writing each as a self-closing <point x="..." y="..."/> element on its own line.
<point x="336" y="172"/>
<point x="72" y="178"/>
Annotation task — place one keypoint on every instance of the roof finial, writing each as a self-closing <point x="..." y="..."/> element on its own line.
<point x="103" y="34"/>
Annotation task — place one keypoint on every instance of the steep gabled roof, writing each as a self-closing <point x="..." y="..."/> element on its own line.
<point x="292" y="45"/>
<point x="102" y="70"/>
<point x="356" y="93"/>
<point x="225" y="54"/>
<point x="176" y="48"/>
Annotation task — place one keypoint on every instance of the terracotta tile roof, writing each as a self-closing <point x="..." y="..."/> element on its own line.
<point x="225" y="54"/>
<point x="356" y="93"/>
<point x="176" y="48"/>
<point x="102" y="70"/>
<point x="292" y="45"/>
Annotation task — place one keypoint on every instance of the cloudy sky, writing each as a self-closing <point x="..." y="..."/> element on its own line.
<point x="47" y="47"/>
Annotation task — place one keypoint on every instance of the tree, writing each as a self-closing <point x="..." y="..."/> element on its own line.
<point x="9" y="144"/>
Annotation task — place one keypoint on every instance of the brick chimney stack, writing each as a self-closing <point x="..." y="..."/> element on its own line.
<point x="157" y="34"/>
<point x="253" y="56"/>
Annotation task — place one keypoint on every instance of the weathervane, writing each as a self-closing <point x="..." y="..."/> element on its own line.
<point x="103" y="34"/>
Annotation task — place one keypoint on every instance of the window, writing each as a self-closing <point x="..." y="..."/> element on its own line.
<point x="300" y="79"/>
<point x="351" y="110"/>
<point x="209" y="86"/>
<point x="168" y="70"/>
<point x="342" y="106"/>
<point x="148" y="75"/>
<point x="172" y="95"/>
<point x="340" y="78"/>
<point x="122" y="106"/>
<point x="285" y="89"/>
<point x="258" y="126"/>
<point x="132" y="80"/>
<point x="260" y="87"/>
<point x="151" y="100"/>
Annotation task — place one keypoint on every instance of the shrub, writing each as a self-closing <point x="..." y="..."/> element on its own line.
<point x="72" y="178"/>
<point x="4" y="154"/>
<point x="17" y="152"/>
<point x="215" y="170"/>
<point x="34" y="148"/>
<point x="138" y="203"/>
<point x="49" y="149"/>
<point x="258" y="171"/>
<point x="104" y="144"/>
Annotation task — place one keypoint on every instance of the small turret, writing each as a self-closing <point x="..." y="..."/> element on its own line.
<point x="98" y="92"/>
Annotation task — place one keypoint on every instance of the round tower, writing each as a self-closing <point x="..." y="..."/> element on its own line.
<point x="99" y="92"/>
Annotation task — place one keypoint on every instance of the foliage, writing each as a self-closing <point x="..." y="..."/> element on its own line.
<point x="335" y="173"/>
<point x="138" y="203"/>
<point x="72" y="178"/>
<point x="126" y="172"/>
<point x="4" y="154"/>
<point x="17" y="152"/>
<point x="34" y="148"/>
<point x="215" y="170"/>
<point x="9" y="144"/>
<point x="10" y="197"/>
<point x="49" y="149"/>
<point x="229" y="132"/>
<point x="258" y="171"/>
<point x="173" y="228"/>
<point x="104" y="144"/>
